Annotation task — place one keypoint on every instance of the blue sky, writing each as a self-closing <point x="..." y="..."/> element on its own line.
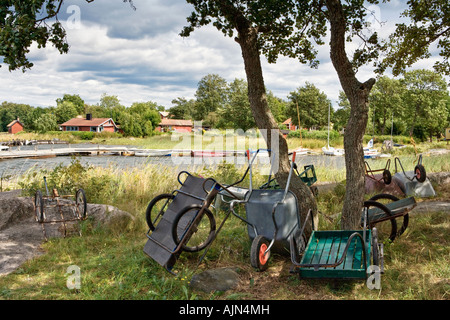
<point x="139" y="56"/>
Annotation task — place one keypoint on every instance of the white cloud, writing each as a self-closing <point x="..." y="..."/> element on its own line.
<point x="139" y="56"/>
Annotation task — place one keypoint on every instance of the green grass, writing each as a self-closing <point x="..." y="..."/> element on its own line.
<point x="113" y="265"/>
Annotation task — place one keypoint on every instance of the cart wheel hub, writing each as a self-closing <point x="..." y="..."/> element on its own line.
<point x="263" y="257"/>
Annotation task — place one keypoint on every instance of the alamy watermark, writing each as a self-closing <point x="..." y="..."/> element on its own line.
<point x="73" y="277"/>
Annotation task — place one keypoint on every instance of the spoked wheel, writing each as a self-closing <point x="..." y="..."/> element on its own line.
<point x="258" y="258"/>
<point x="420" y="173"/>
<point x="81" y="203"/>
<point x="386" y="198"/>
<point x="39" y="206"/>
<point x="194" y="237"/>
<point x="387" y="229"/>
<point x="387" y="177"/>
<point x="156" y="209"/>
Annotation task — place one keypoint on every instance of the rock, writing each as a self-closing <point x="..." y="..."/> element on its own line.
<point x="21" y="235"/>
<point x="221" y="279"/>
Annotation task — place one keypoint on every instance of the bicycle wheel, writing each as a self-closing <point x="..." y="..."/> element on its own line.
<point x="386" y="228"/>
<point x="156" y="208"/>
<point x="386" y="198"/>
<point x="195" y="237"/>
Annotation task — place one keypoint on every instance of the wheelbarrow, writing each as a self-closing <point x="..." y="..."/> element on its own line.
<point x="55" y="200"/>
<point x="272" y="218"/>
<point x="419" y="170"/>
<point x="386" y="176"/>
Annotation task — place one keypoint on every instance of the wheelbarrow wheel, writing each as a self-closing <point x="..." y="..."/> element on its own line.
<point x="258" y="258"/>
<point x="387" y="177"/>
<point x="194" y="237"/>
<point x="385" y="227"/>
<point x="156" y="208"/>
<point x="420" y="173"/>
<point x="39" y="206"/>
<point x="81" y="203"/>
<point x="386" y="196"/>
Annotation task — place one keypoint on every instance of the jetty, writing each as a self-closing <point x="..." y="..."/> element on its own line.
<point x="99" y="150"/>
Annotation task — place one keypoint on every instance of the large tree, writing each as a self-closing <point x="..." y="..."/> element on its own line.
<point x="254" y="24"/>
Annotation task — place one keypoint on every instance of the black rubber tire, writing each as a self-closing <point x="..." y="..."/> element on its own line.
<point x="257" y="259"/>
<point x="152" y="203"/>
<point x="387" y="177"/>
<point x="211" y="234"/>
<point x="393" y="198"/>
<point x="373" y="203"/>
<point x="81" y="203"/>
<point x="39" y="206"/>
<point x="420" y="173"/>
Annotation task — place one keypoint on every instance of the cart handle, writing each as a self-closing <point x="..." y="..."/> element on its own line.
<point x="179" y="175"/>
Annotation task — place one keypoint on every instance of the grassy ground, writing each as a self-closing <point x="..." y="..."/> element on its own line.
<point x="113" y="265"/>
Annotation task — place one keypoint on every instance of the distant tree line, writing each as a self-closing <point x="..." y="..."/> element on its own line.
<point x="140" y="119"/>
<point x="417" y="104"/>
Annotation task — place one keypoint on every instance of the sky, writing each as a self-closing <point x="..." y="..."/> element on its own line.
<point x="139" y="56"/>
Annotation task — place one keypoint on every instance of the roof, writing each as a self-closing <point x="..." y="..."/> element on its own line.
<point x="13" y="123"/>
<point x="82" y="122"/>
<point x="164" y="113"/>
<point x="176" y="122"/>
<point x="288" y="121"/>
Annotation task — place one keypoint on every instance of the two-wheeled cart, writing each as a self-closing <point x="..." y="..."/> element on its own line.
<point x="54" y="200"/>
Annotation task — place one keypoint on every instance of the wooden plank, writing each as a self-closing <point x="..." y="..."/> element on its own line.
<point x="343" y="241"/>
<point x="310" y="249"/>
<point x="334" y="248"/>
<point x="328" y="241"/>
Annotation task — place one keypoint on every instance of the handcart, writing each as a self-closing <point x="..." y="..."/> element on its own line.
<point x="55" y="200"/>
<point x="176" y="220"/>
<point x="272" y="218"/>
<point x="386" y="176"/>
<point x="384" y="210"/>
<point x="338" y="254"/>
<point x="419" y="170"/>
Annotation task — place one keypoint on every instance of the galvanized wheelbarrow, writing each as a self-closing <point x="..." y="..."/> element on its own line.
<point x="55" y="200"/>
<point x="272" y="219"/>
<point x="420" y="173"/>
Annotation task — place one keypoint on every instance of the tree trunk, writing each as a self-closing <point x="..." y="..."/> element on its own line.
<point x="247" y="39"/>
<point x="358" y="96"/>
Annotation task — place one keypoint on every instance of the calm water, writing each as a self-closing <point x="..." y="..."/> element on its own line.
<point x="16" y="167"/>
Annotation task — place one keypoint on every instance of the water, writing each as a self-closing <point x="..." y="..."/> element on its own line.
<point x="17" y="167"/>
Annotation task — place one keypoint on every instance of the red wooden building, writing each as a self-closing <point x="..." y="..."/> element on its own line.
<point x="15" y="126"/>
<point x="167" y="125"/>
<point x="90" y="124"/>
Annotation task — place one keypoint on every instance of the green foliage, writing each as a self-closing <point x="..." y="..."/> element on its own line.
<point x="45" y="122"/>
<point x="312" y="106"/>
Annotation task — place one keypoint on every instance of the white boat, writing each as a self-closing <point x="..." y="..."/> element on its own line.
<point x="330" y="151"/>
<point x="4" y="148"/>
<point x="370" y="152"/>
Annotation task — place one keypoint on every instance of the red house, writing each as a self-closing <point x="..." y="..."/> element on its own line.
<point x="290" y="125"/>
<point x="15" y="126"/>
<point x="90" y="124"/>
<point x="167" y="125"/>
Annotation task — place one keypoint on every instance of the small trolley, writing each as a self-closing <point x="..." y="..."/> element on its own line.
<point x="55" y="200"/>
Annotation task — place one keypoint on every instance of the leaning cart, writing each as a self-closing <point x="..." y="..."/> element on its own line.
<point x="55" y="200"/>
